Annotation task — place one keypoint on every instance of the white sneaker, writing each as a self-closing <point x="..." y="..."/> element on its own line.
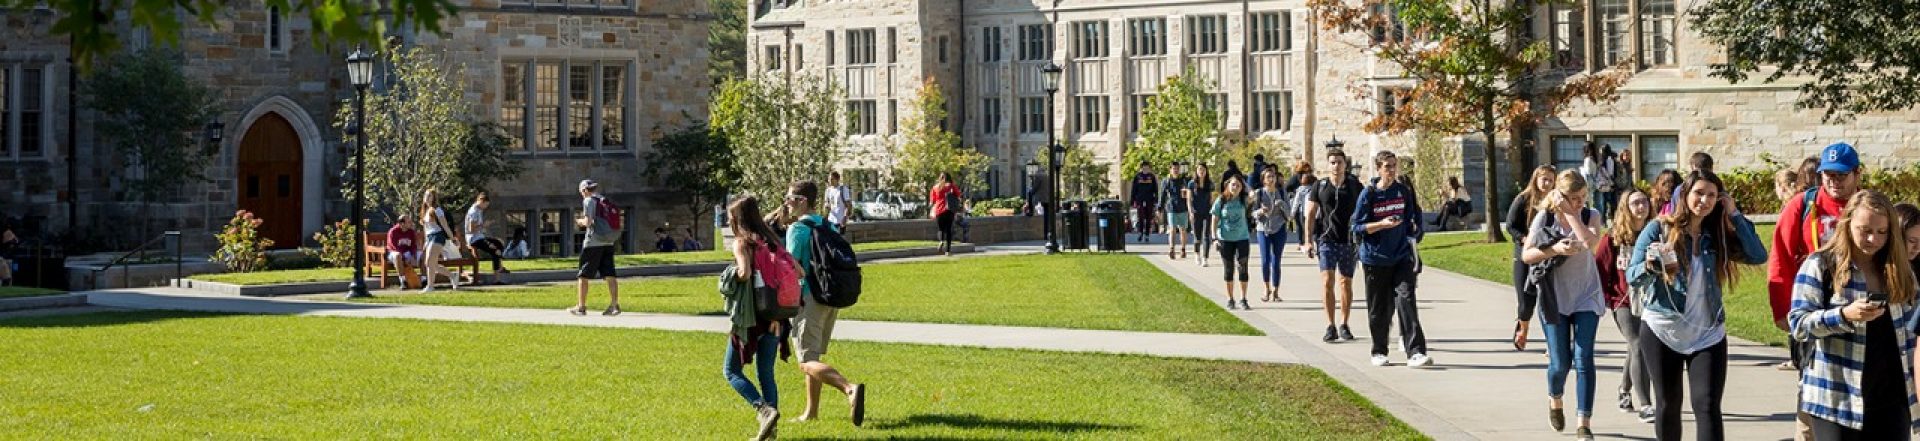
<point x="1419" y="360"/>
<point x="427" y="289"/>
<point x="1379" y="360"/>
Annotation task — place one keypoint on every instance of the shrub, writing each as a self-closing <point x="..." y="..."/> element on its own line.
<point x="336" y="245"/>
<point x="241" y="247"/>
<point x="1752" y="187"/>
<point x="982" y="208"/>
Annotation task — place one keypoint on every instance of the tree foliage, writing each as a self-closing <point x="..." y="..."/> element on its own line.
<point x="1177" y="125"/>
<point x="1856" y="55"/>
<point x="152" y="116"/>
<point x="929" y="150"/>
<point x="696" y="163"/>
<point x="1082" y="176"/>
<point x="727" y="40"/>
<point x="781" y="131"/>
<point x="95" y="26"/>
<point x="419" y="136"/>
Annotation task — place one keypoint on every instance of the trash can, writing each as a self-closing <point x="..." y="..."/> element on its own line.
<point x="1111" y="215"/>
<point x="1074" y="233"/>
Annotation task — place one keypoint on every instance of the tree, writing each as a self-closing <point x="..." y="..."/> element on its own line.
<point x="419" y="137"/>
<point x="1857" y="55"/>
<point x="697" y="163"/>
<point x="94" y="25"/>
<point x="1081" y="176"/>
<point x="780" y="131"/>
<point x="929" y="149"/>
<point x="727" y="40"/>
<point x="1473" y="70"/>
<point x="1177" y="125"/>
<point x="151" y="115"/>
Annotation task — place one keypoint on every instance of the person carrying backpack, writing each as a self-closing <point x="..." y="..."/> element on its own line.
<point x="1806" y="223"/>
<point x="1560" y="248"/>
<point x="947" y="203"/>
<point x="1329" y="212"/>
<point x="602" y="221"/>
<point x="758" y="331"/>
<point x="813" y="328"/>
<point x="1854" y="300"/>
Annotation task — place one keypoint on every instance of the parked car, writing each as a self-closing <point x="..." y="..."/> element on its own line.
<point x="883" y="205"/>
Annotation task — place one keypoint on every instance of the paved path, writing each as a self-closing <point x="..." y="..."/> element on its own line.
<point x="1479" y="387"/>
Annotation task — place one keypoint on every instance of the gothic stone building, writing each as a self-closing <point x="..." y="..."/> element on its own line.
<point x="582" y="85"/>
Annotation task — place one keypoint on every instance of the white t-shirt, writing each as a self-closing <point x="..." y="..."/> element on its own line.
<point x="837" y="204"/>
<point x="474" y="218"/>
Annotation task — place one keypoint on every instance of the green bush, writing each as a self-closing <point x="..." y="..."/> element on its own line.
<point x="336" y="245"/>
<point x="1752" y="186"/>
<point x="241" y="247"/>
<point x="982" y="207"/>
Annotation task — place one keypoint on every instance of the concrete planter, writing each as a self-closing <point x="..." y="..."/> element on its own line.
<point x="52" y="301"/>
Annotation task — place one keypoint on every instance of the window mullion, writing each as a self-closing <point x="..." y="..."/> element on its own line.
<point x="595" y="84"/>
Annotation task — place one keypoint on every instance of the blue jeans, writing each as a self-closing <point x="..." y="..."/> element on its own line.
<point x="765" y="356"/>
<point x="1271" y="245"/>
<point x="1571" y="346"/>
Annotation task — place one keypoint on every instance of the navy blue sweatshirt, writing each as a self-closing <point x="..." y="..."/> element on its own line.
<point x="1389" y="246"/>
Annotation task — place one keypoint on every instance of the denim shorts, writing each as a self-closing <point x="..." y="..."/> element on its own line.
<point x="1178" y="221"/>
<point x="1337" y="256"/>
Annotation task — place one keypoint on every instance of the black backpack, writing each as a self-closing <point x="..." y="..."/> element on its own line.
<point x="835" y="271"/>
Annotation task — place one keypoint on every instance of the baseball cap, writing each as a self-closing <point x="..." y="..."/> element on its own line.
<point x="588" y="183"/>
<point x="1839" y="157"/>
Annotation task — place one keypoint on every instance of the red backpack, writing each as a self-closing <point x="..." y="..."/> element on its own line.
<point x="609" y="212"/>
<point x="776" y="285"/>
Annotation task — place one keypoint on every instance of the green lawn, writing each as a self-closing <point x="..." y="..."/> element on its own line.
<point x="25" y="291"/>
<point x="342" y="274"/>
<point x="1117" y="292"/>
<point x="1748" y="314"/>
<point x="169" y="375"/>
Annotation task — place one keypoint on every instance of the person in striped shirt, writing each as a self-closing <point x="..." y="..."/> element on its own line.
<point x="1855" y="301"/>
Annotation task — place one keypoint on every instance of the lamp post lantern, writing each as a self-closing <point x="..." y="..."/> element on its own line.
<point x="1334" y="144"/>
<point x="360" y="72"/>
<point x="1050" y="81"/>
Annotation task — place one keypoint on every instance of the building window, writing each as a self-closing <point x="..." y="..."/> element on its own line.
<point x="1036" y="42"/>
<point x="893" y="45"/>
<point x="1207" y="34"/>
<point x="1137" y="110"/>
<point x="799" y="57"/>
<point x="943" y="49"/>
<point x="1569" y="37"/>
<point x="1569" y="152"/>
<point x="893" y="117"/>
<point x="1388" y="27"/>
<point x="861" y="119"/>
<point x="1658" y="153"/>
<point x="990" y="45"/>
<point x="1273" y="111"/>
<point x="1147" y="37"/>
<point x="1272" y="31"/>
<point x="591" y="98"/>
<point x="1614" y="28"/>
<point x="613" y="106"/>
<point x="580" y="106"/>
<point x="772" y="60"/>
<point x="1657" y="31"/>
<point x="1390" y="100"/>
<point x="990" y="115"/>
<point x="513" y="104"/>
<point x="1090" y="114"/>
<point x="1217" y="102"/>
<point x="276" y="31"/>
<point x="1090" y="39"/>
<point x="860" y="46"/>
<point x="568" y="4"/>
<point x="32" y="82"/>
<point x="830" y="47"/>
<point x="1033" y="115"/>
<point x="546" y="106"/>
<point x="552" y="236"/>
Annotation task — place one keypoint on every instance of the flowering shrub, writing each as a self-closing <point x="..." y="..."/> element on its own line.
<point x="336" y="244"/>
<point x="241" y="247"/>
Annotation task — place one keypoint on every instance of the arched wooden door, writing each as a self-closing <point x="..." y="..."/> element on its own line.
<point x="270" y="178"/>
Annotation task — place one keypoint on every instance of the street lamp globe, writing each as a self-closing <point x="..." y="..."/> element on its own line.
<point x="1050" y="77"/>
<point x="360" y="68"/>
<point x="1033" y="167"/>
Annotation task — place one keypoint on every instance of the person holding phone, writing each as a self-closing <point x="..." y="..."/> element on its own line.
<point x="1566" y="228"/>
<point x="1380" y="220"/>
<point x="1854" y="300"/>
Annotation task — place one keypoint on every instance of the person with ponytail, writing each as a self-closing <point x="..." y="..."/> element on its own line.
<point x="1566" y="228"/>
<point x="1520" y="215"/>
<point x="1634" y="212"/>
<point x="1854" y="300"/>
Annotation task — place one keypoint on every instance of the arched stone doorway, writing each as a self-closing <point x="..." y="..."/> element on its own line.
<point x="271" y="177"/>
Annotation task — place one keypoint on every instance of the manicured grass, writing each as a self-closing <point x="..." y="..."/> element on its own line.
<point x="170" y="375"/>
<point x="1748" y="314"/>
<point x="557" y="263"/>
<point x="7" y="292"/>
<point x="1116" y="292"/>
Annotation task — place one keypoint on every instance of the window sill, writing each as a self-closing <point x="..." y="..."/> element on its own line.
<point x="571" y="154"/>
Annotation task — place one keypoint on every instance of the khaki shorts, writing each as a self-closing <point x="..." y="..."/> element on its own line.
<point x="813" y="329"/>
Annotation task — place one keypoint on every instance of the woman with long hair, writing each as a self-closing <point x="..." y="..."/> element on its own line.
<point x="760" y="343"/>
<point x="1909" y="215"/>
<point x="1684" y="262"/>
<point x="434" y="221"/>
<point x="947" y="203"/>
<point x="1202" y="200"/>
<point x="1566" y="228"/>
<point x="1455" y="202"/>
<point x="1231" y="212"/>
<point x="1665" y="186"/>
<point x="1270" y="215"/>
<point x="1854" y="300"/>
<point x="1520" y="215"/>
<point x="1635" y="212"/>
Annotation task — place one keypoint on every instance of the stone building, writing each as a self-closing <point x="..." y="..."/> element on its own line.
<point x="1277" y="76"/>
<point x="584" y="86"/>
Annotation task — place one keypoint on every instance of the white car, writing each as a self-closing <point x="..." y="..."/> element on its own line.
<point x="881" y="205"/>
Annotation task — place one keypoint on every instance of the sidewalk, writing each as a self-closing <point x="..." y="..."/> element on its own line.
<point x="1222" y="347"/>
<point x="1479" y="387"/>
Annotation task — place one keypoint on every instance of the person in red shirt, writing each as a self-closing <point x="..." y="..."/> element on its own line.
<point x="1802" y="229"/>
<point x="946" y="200"/>
<point x="403" y="248"/>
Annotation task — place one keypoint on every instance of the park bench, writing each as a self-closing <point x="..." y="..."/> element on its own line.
<point x="376" y="254"/>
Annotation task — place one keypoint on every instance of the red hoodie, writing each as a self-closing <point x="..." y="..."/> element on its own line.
<point x="1793" y="241"/>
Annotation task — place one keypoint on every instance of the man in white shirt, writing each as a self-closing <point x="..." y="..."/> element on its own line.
<point x="838" y="200"/>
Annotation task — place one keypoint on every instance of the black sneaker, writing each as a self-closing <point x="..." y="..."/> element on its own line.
<point x="1346" y="333"/>
<point x="1626" y="402"/>
<point x="1331" y="335"/>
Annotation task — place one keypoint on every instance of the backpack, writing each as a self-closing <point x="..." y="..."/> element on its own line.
<point x="1539" y="280"/>
<point x="835" y="274"/>
<point x="1603" y="175"/>
<point x="776" y="283"/>
<point x="952" y="199"/>
<point x="1809" y="217"/>
<point x="1330" y="216"/>
<point x="610" y="213"/>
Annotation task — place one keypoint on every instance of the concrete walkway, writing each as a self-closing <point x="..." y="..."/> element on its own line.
<point x="1479" y="387"/>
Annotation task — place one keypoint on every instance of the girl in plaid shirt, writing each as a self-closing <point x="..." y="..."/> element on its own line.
<point x="1854" y="299"/>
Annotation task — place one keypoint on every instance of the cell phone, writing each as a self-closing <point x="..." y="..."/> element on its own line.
<point x="1878" y="299"/>
<point x="1393" y="219"/>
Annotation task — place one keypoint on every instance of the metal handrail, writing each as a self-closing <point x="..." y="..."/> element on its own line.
<point x="126" y="275"/>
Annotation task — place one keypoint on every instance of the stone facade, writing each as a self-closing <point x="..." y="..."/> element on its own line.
<point x="659" y="47"/>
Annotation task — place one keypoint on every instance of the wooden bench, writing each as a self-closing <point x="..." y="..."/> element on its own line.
<point x="376" y="255"/>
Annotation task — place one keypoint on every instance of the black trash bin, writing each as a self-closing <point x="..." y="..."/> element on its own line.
<point x="1074" y="233"/>
<point x="1111" y="216"/>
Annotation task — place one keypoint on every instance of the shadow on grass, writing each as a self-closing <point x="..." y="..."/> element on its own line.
<point x="104" y="318"/>
<point x="972" y="421"/>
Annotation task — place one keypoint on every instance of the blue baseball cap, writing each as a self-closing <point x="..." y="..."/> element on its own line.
<point x="1840" y="158"/>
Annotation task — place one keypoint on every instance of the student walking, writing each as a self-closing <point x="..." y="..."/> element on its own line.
<point x="1805" y="225"/>
<point x="1329" y="223"/>
<point x="1233" y="214"/>
<point x="1270" y="214"/>
<point x="1597" y="168"/>
<point x="947" y="203"/>
<point x="1635" y="212"/>
<point x="1145" y="184"/>
<point x="1684" y="262"/>
<point x="1298" y="207"/>
<point x="1853" y="300"/>
<point x="1909" y="215"/>
<point x="403" y="249"/>
<point x="813" y="328"/>
<point x="1561" y="239"/>
<point x="1200" y="197"/>
<point x="1384" y="218"/>
<point x="1520" y="215"/>
<point x="476" y="226"/>
<point x="1174" y="192"/>
<point x="599" y="218"/>
<point x="439" y="237"/>
<point x="753" y="339"/>
<point x="840" y="200"/>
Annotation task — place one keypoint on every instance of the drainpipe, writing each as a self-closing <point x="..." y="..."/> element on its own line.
<point x="73" y="127"/>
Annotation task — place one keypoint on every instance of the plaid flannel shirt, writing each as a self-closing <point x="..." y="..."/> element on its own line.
<point x="1830" y="383"/>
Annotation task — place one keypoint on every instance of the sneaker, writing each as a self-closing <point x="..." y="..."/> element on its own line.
<point x="1331" y="335"/>
<point x="1647" y="415"/>
<point x="1379" y="360"/>
<point x="1786" y="366"/>
<point x="769" y="419"/>
<point x="612" y="310"/>
<point x="1243" y="304"/>
<point x="1231" y="306"/>
<point x="1346" y="333"/>
<point x="1420" y="360"/>
<point x="1583" y="434"/>
<point x="427" y="289"/>
<point x="1626" y="402"/>
<point x="1557" y="419"/>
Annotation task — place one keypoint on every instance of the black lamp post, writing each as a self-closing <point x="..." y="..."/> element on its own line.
<point x="1050" y="81"/>
<point x="360" y="72"/>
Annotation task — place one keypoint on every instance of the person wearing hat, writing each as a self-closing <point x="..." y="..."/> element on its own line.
<point x="1806" y="223"/>
<point x="596" y="249"/>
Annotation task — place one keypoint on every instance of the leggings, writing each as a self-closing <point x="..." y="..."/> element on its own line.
<point x="491" y="247"/>
<point x="1571" y="342"/>
<point x="1271" y="245"/>
<point x="1527" y="301"/>
<point x="1203" y="235"/>
<point x="1705" y="378"/>
<point x="946" y="230"/>
<point x="765" y="349"/>
<point x="1233" y="255"/>
<point x="1390" y="289"/>
<point x="1635" y="381"/>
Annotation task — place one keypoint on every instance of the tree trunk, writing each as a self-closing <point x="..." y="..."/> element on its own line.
<point x="1490" y="156"/>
